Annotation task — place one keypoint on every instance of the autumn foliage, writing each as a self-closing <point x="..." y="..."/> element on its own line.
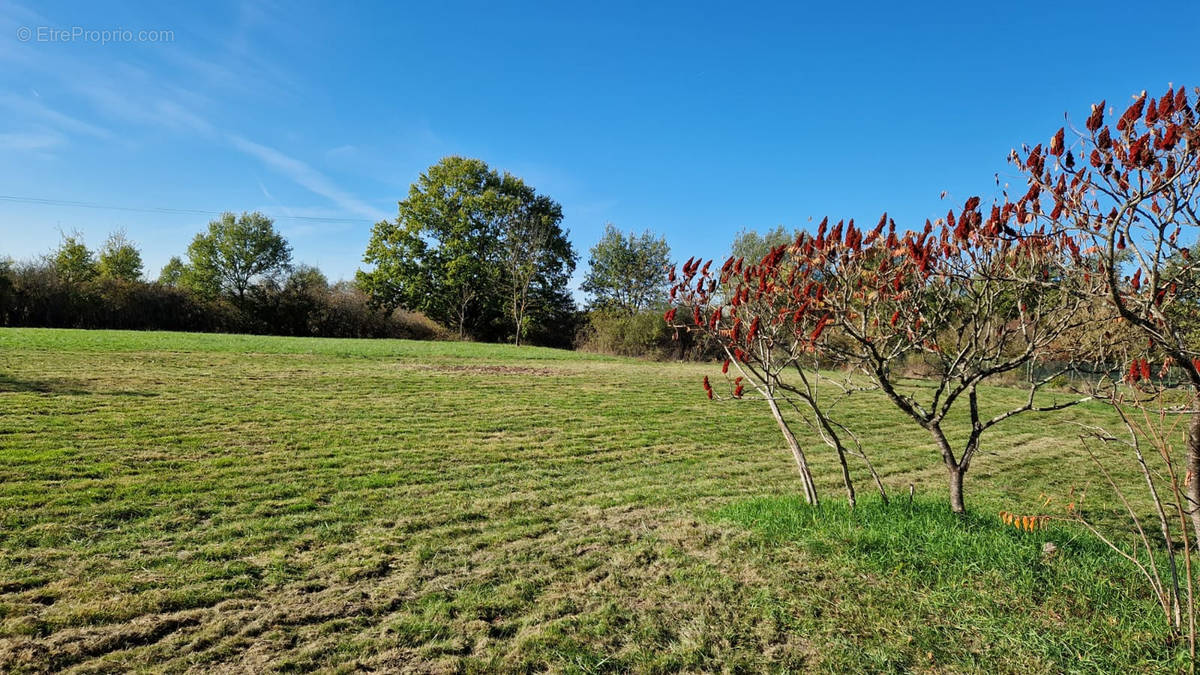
<point x="981" y="292"/>
<point x="1126" y="189"/>
<point x="974" y="294"/>
<point x="1089" y="269"/>
<point x="1125" y="192"/>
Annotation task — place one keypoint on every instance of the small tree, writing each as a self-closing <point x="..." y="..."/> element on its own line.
<point x="236" y="250"/>
<point x="73" y="261"/>
<point x="966" y="296"/>
<point x="120" y="259"/>
<point x="172" y="273"/>
<point x="1129" y="195"/>
<point x="750" y="245"/>
<point x="306" y="279"/>
<point x="626" y="271"/>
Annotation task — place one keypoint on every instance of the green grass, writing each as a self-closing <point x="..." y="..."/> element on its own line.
<point x="986" y="576"/>
<point x="175" y="501"/>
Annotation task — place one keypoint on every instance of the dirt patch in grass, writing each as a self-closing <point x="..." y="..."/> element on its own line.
<point x="495" y="370"/>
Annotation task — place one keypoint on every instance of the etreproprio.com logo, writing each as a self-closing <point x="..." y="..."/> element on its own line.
<point x="100" y="36"/>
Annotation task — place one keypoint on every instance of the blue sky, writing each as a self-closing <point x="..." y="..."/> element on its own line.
<point x="692" y="119"/>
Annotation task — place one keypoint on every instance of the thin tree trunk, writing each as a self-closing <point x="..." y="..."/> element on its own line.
<point x="1165" y="528"/>
<point x="875" y="475"/>
<point x="1193" y="470"/>
<point x="833" y="440"/>
<point x="956" y="469"/>
<point x="810" y="490"/>
<point x="846" y="478"/>
<point x="956" y="488"/>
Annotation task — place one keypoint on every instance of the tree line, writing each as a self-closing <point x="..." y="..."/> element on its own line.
<point x="237" y="276"/>
<point x="473" y="253"/>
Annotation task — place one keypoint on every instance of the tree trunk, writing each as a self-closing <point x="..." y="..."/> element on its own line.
<point x="956" y="488"/>
<point x="810" y="490"/>
<point x="1193" y="471"/>
<point x="875" y="476"/>
<point x="846" y="478"/>
<point x="957" y="468"/>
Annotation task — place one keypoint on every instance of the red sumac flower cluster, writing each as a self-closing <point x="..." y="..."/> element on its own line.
<point x="1139" y="369"/>
<point x="874" y="286"/>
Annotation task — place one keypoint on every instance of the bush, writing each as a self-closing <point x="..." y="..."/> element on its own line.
<point x="33" y="294"/>
<point x="644" y="334"/>
<point x="343" y="310"/>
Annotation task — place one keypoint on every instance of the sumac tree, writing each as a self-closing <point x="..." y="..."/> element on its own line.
<point x="969" y="295"/>
<point x="1128" y="192"/>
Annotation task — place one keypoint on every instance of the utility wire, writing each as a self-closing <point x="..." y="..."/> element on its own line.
<point x="186" y="212"/>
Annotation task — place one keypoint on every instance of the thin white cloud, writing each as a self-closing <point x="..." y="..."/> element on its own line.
<point x="306" y="176"/>
<point x="341" y="151"/>
<point x="180" y="117"/>
<point x="32" y="141"/>
<point x="123" y="93"/>
<point x="46" y="115"/>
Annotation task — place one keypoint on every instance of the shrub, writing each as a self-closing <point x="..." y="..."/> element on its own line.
<point x="643" y="334"/>
<point x="34" y="294"/>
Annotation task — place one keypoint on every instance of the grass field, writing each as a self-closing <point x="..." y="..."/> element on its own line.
<point x="180" y="501"/>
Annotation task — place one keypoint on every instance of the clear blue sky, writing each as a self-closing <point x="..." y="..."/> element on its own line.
<point x="693" y="120"/>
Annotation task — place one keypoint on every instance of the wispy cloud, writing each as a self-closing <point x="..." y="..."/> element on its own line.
<point x="175" y="114"/>
<point x="32" y="141"/>
<point x="40" y="112"/>
<point x="306" y="176"/>
<point x="341" y="151"/>
<point x="183" y="93"/>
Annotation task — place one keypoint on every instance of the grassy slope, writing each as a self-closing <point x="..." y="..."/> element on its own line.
<point x="252" y="502"/>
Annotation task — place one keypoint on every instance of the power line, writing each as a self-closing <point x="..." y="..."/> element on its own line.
<point x="162" y="210"/>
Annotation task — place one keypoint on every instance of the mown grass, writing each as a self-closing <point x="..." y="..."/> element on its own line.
<point x="1020" y="600"/>
<point x="180" y="501"/>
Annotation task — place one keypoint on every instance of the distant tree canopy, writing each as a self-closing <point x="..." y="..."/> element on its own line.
<point x="6" y="282"/>
<point x="306" y="278"/>
<point x="172" y="273"/>
<point x="627" y="271"/>
<point x="476" y="250"/>
<point x="752" y="246"/>
<point x="235" y="251"/>
<point x="73" y="261"/>
<point x="120" y="259"/>
<point x="239" y="279"/>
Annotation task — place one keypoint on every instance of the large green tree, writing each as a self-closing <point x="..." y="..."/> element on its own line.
<point x="628" y="272"/>
<point x="236" y="251"/>
<point x="473" y="249"/>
